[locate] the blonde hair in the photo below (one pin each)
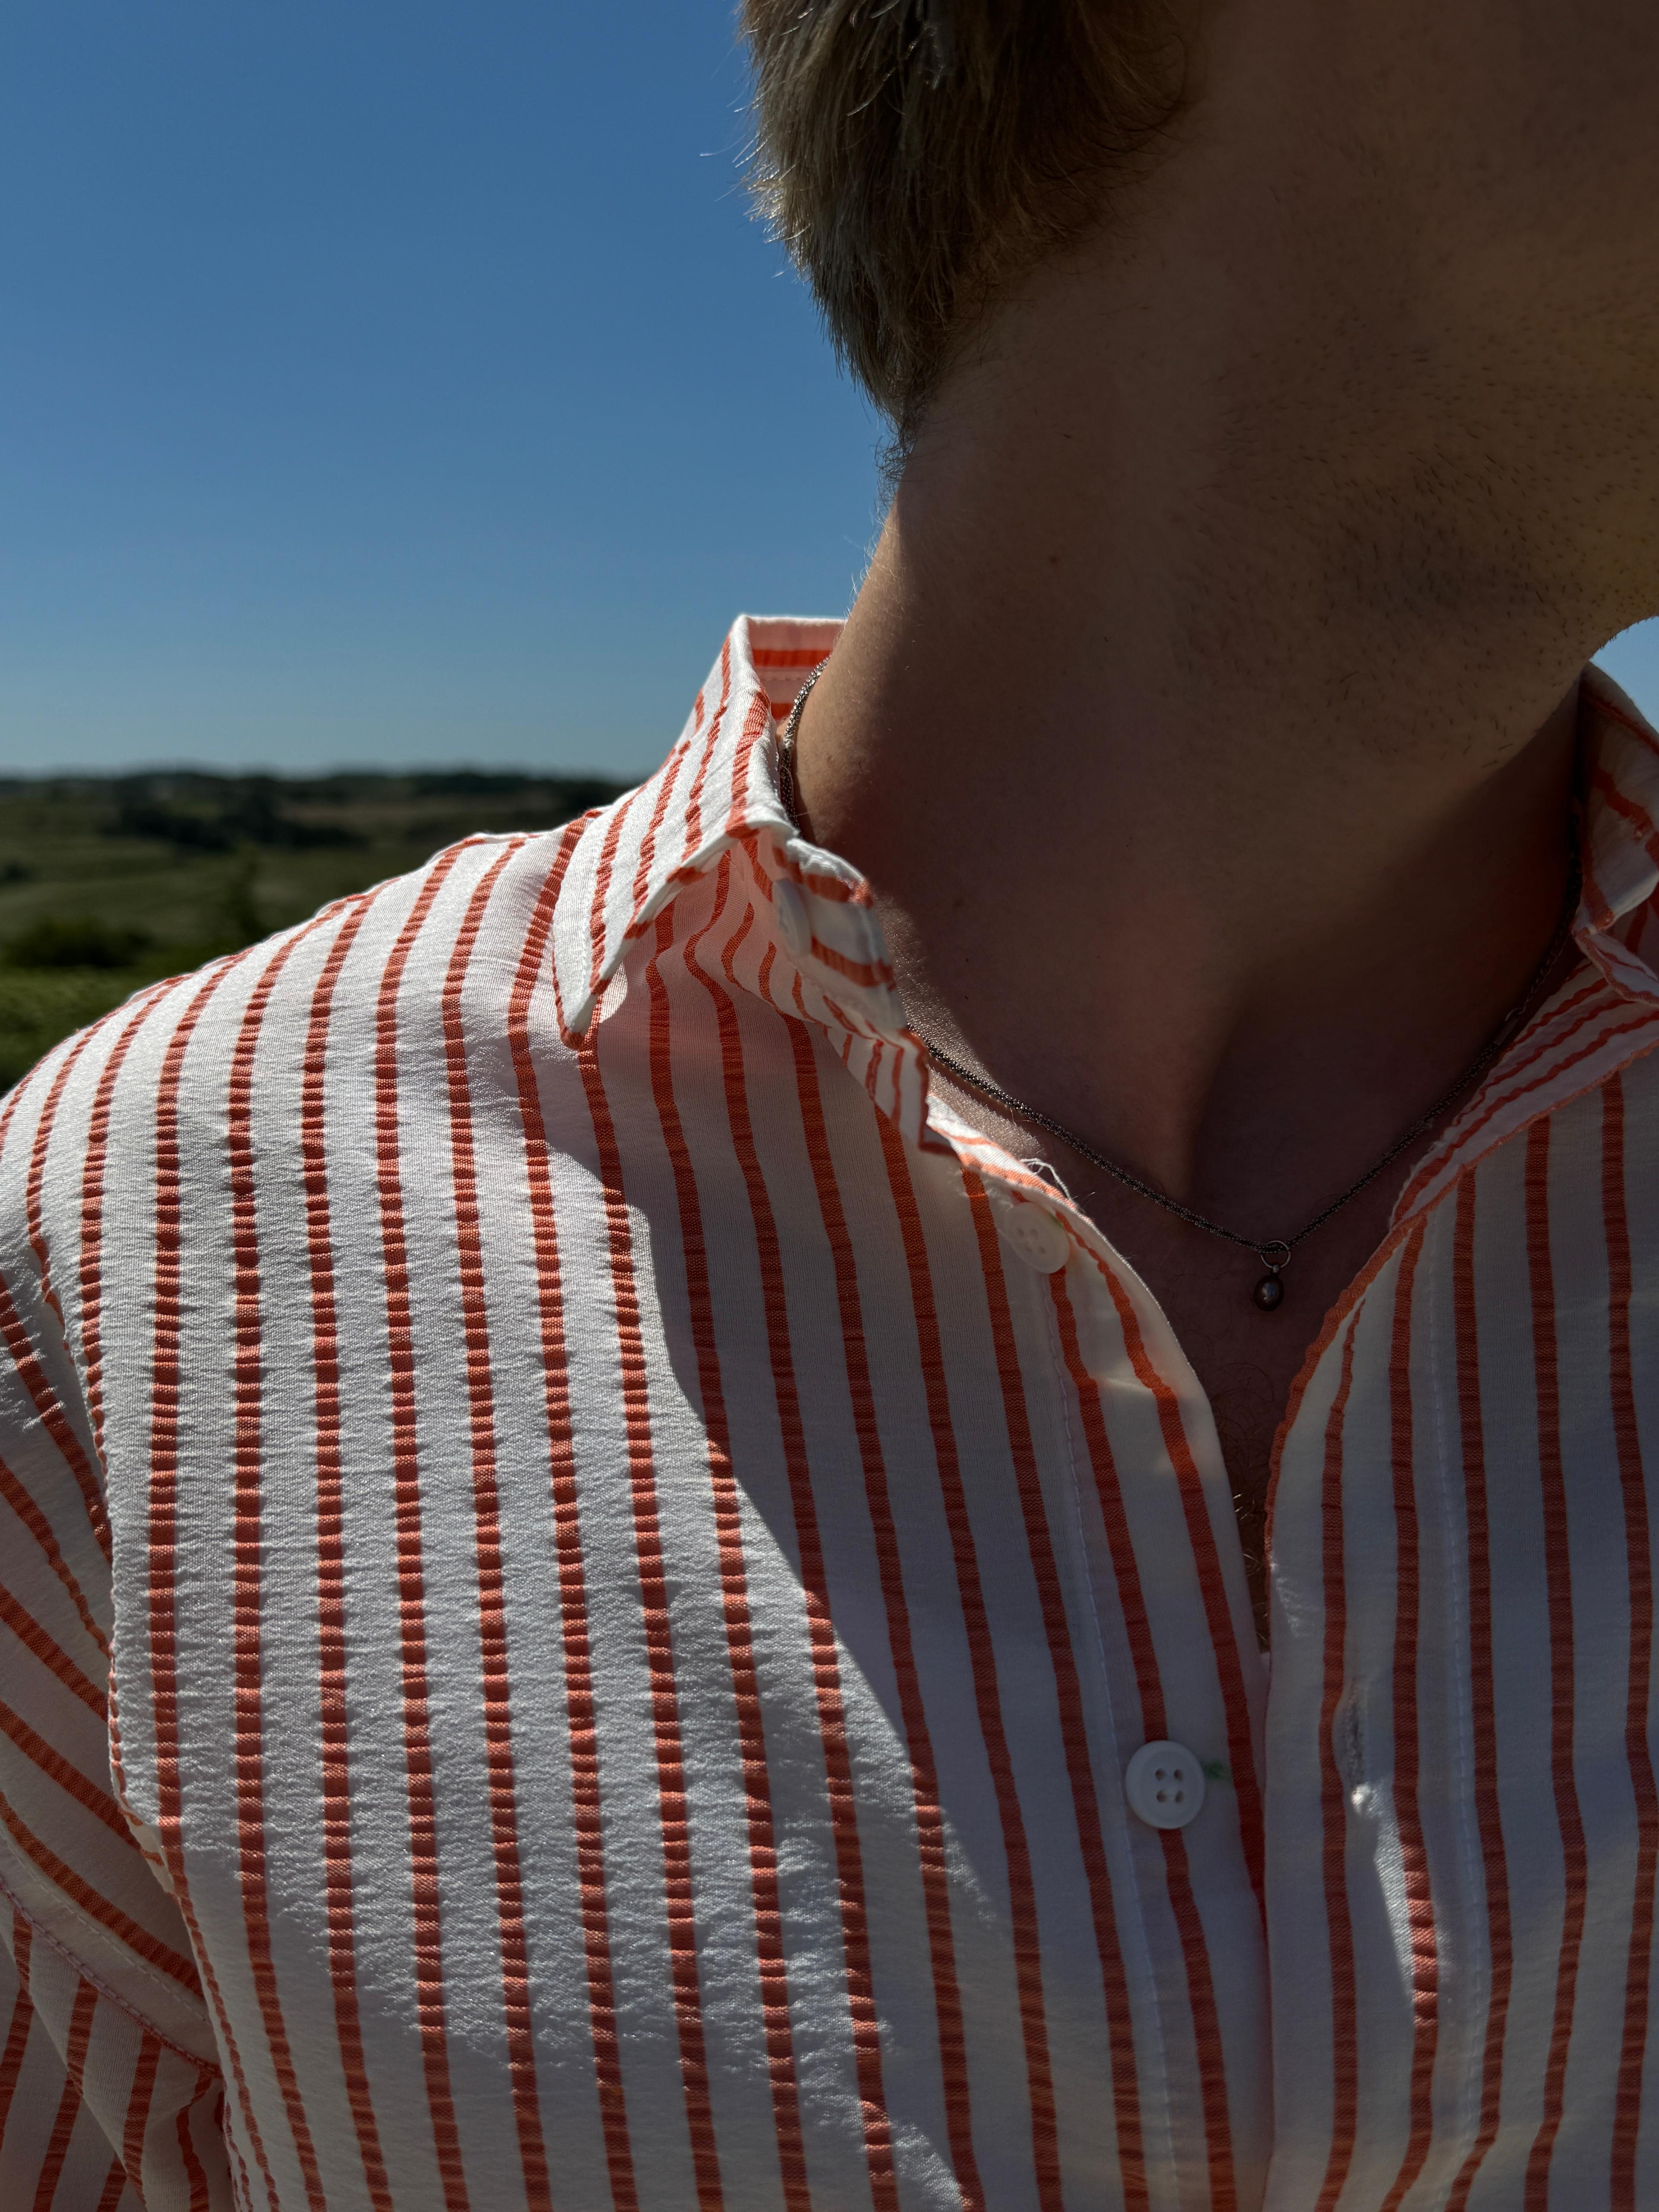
(914, 155)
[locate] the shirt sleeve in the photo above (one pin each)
(111, 2091)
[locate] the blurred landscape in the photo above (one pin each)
(107, 883)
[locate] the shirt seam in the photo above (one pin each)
(105, 1989)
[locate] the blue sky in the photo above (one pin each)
(398, 383)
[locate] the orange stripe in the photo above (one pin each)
(665, 780)
(138, 1939)
(771, 1957)
(599, 921)
(1062, 1659)
(334, 1733)
(192, 2164)
(23, 2014)
(1635, 819)
(1557, 1567)
(493, 1652)
(982, 1650)
(1419, 1897)
(771, 865)
(1483, 1711)
(679, 1895)
(1604, 705)
(756, 724)
(1592, 898)
(1586, 995)
(139, 2099)
(12, 1490)
(33, 1375)
(1155, 1727)
(8, 1107)
(52, 1763)
(815, 1592)
(1217, 1614)
(69, 2104)
(247, 1545)
(51, 1656)
(426, 1893)
(1400, 1229)
(92, 1209)
(924, 1775)
(166, 1375)
(869, 973)
(37, 1174)
(1639, 1553)
(694, 801)
(1334, 1805)
(586, 1804)
(1646, 1021)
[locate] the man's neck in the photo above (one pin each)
(1205, 724)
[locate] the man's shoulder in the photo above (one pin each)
(375, 987)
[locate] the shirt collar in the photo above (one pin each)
(1606, 1013)
(1620, 846)
(814, 942)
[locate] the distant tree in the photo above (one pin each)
(74, 940)
(237, 811)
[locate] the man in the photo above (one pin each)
(656, 1431)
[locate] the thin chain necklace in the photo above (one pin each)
(1275, 1252)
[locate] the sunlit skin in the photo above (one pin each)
(1206, 722)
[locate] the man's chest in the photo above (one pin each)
(688, 1695)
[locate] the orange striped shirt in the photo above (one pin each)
(600, 1606)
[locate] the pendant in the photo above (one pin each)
(1269, 1292)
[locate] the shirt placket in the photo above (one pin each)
(1133, 1546)
(1151, 1580)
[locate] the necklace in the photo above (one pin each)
(1275, 1253)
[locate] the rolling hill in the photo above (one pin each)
(109, 883)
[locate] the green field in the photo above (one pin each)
(107, 883)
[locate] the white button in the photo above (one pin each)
(1034, 1233)
(793, 927)
(1165, 1785)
